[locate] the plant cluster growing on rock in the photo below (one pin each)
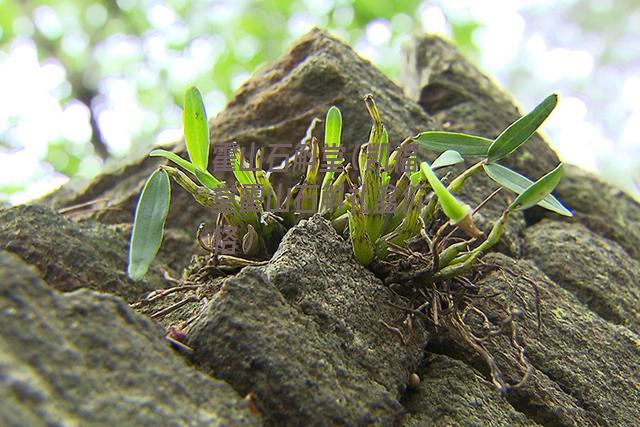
(402, 221)
(385, 207)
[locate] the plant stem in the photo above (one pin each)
(456, 184)
(464, 262)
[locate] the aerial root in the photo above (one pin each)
(447, 305)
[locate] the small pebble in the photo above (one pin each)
(414, 380)
(177, 334)
(251, 404)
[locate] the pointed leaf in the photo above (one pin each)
(148, 225)
(518, 184)
(448, 158)
(184, 164)
(362, 160)
(313, 166)
(208, 180)
(383, 151)
(333, 127)
(537, 191)
(455, 210)
(521, 130)
(467, 145)
(332, 134)
(243, 176)
(196, 130)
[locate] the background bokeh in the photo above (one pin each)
(86, 83)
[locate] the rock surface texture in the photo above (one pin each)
(306, 335)
(312, 337)
(586, 356)
(85, 358)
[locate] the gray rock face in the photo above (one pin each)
(452, 393)
(585, 369)
(605, 210)
(305, 335)
(591, 360)
(600, 273)
(85, 358)
(70, 255)
(585, 358)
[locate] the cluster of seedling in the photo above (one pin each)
(420, 195)
(425, 214)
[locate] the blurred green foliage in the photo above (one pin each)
(157, 49)
(105, 78)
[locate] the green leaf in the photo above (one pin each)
(538, 191)
(521, 130)
(362, 160)
(415, 178)
(184, 164)
(196, 130)
(204, 177)
(333, 127)
(467, 145)
(448, 158)
(148, 225)
(454, 209)
(208, 180)
(244, 177)
(518, 184)
(383, 151)
(332, 133)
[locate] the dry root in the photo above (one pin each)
(453, 308)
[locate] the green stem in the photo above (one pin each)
(455, 185)
(464, 262)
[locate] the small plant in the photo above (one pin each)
(386, 207)
(403, 222)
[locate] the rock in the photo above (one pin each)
(600, 273)
(85, 358)
(278, 104)
(584, 367)
(461, 98)
(305, 335)
(72, 255)
(604, 209)
(583, 364)
(452, 393)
